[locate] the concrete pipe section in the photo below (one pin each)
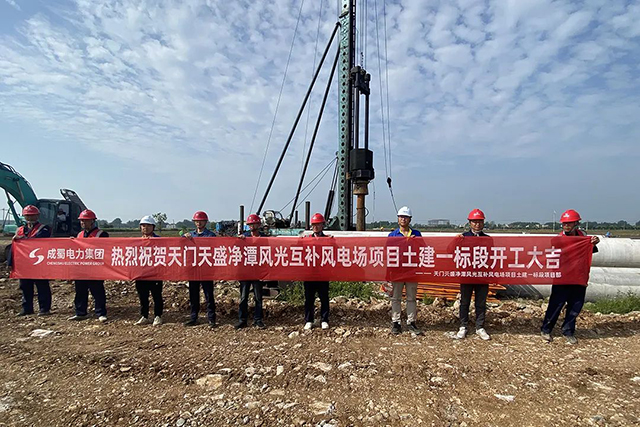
(615, 268)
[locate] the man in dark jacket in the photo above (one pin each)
(570, 295)
(476, 224)
(96, 287)
(33, 230)
(254, 223)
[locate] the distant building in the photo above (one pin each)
(438, 222)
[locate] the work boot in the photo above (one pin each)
(571, 340)
(461, 334)
(308, 326)
(241, 324)
(414, 329)
(142, 321)
(259, 324)
(78, 317)
(483, 334)
(191, 322)
(396, 328)
(546, 336)
(157, 321)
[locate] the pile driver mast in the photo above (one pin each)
(355, 163)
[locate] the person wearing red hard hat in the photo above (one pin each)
(321, 288)
(81, 301)
(476, 220)
(33, 230)
(200, 219)
(254, 223)
(570, 295)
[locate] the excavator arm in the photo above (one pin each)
(16, 186)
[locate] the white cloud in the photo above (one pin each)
(457, 55)
(13, 4)
(200, 79)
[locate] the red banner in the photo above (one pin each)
(503, 260)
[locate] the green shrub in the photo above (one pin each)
(621, 304)
(427, 300)
(293, 294)
(359, 290)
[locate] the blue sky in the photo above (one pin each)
(518, 107)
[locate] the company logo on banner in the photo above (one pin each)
(39, 258)
(508, 260)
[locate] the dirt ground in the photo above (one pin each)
(117, 374)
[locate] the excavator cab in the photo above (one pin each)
(61, 216)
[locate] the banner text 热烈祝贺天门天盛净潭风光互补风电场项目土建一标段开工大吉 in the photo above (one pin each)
(501, 260)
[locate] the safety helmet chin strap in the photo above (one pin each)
(574, 228)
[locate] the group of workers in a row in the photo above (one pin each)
(571, 296)
(35, 229)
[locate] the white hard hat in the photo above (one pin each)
(148, 220)
(404, 211)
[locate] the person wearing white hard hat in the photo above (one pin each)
(404, 230)
(146, 287)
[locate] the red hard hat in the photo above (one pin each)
(253, 219)
(317, 219)
(87, 214)
(476, 214)
(570, 216)
(200, 216)
(30, 210)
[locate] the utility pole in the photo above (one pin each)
(355, 164)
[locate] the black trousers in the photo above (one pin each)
(245, 289)
(571, 295)
(480, 302)
(153, 287)
(310, 290)
(44, 295)
(81, 301)
(194, 299)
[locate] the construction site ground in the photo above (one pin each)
(118, 374)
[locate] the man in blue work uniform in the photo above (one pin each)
(253, 221)
(476, 224)
(200, 220)
(404, 220)
(81, 301)
(571, 295)
(33, 230)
